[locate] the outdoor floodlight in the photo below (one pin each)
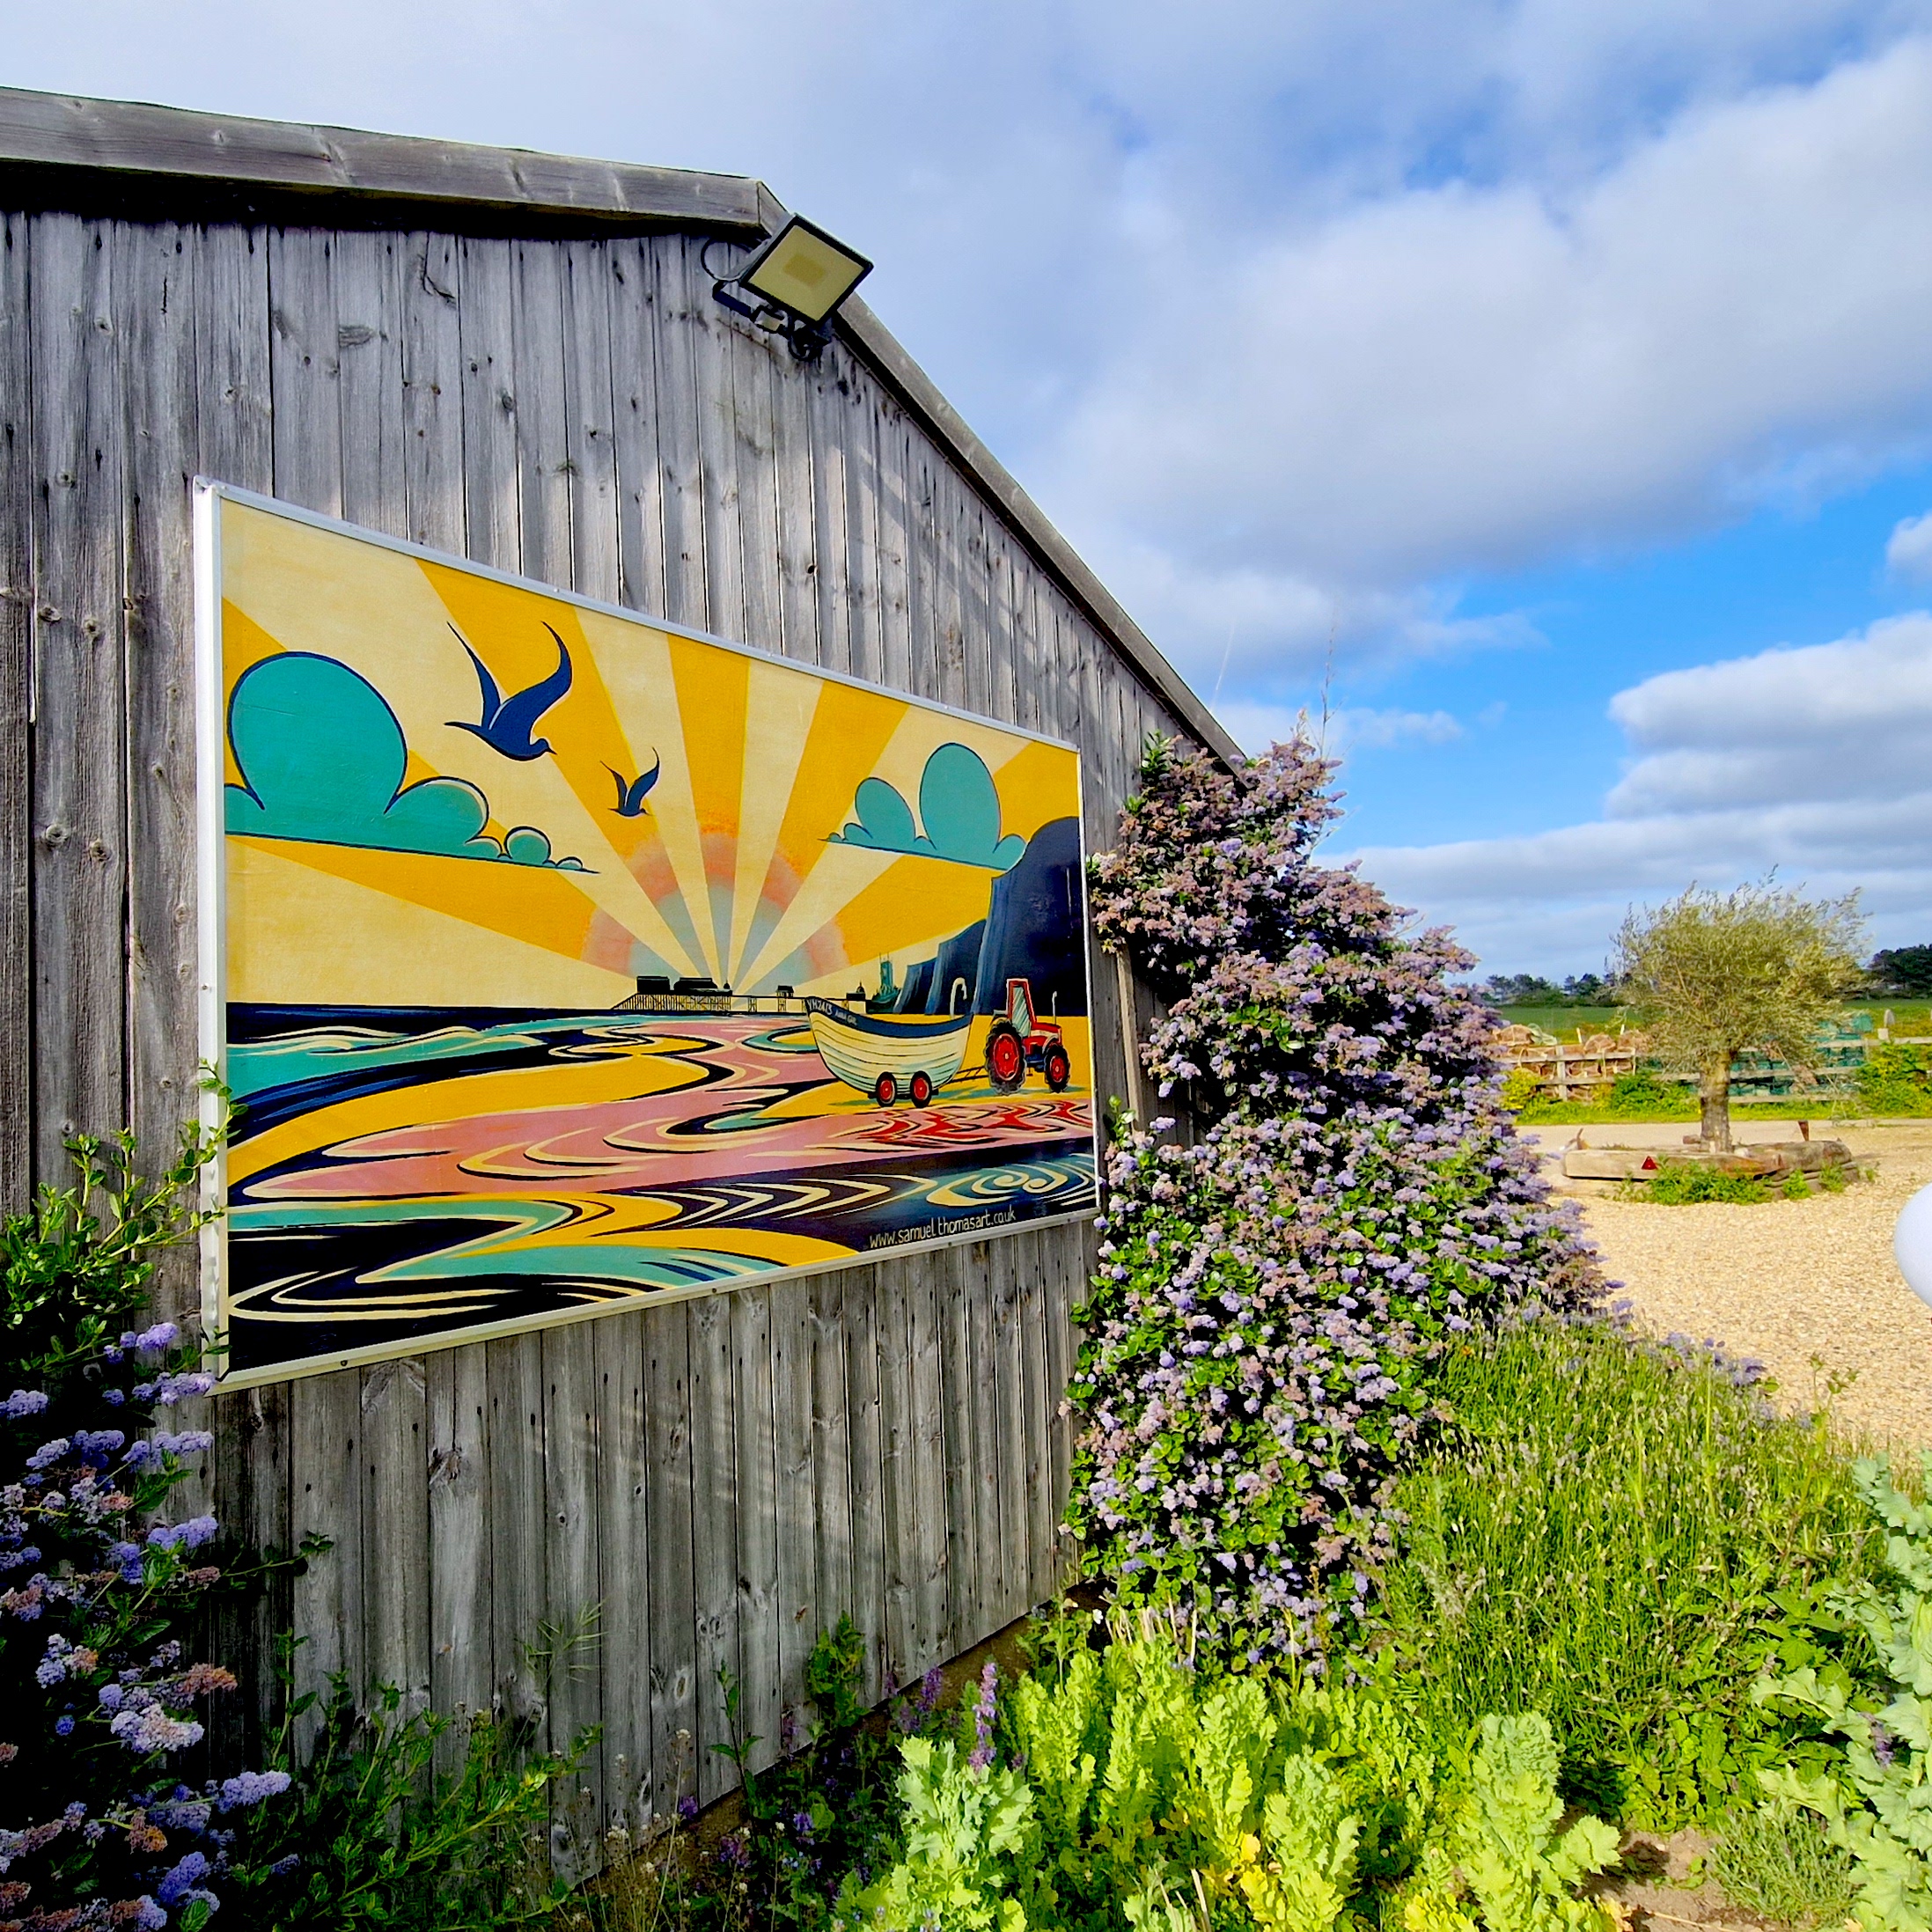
(798, 278)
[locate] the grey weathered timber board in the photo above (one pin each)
(714, 1533)
(670, 1578)
(796, 1499)
(462, 1676)
(826, 1532)
(754, 1426)
(858, 1333)
(17, 622)
(80, 315)
(723, 1478)
(163, 456)
(623, 1661)
(573, 1479)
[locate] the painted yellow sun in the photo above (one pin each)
(686, 816)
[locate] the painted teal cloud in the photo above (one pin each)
(322, 757)
(958, 805)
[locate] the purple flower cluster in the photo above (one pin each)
(1270, 1299)
(101, 1700)
(985, 1710)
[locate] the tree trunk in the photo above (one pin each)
(1714, 1103)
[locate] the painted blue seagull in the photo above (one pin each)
(630, 794)
(507, 723)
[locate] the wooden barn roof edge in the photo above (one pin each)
(108, 137)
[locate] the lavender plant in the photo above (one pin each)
(1271, 1300)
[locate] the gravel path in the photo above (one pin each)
(1792, 1281)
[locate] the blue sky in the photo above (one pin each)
(1557, 370)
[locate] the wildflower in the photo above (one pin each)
(63, 1726)
(189, 1871)
(183, 1536)
(151, 1727)
(688, 1808)
(250, 1787)
(22, 1403)
(980, 1757)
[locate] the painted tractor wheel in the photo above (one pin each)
(1058, 1068)
(1005, 1057)
(920, 1091)
(886, 1092)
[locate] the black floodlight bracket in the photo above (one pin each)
(806, 335)
(806, 340)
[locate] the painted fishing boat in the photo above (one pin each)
(888, 1055)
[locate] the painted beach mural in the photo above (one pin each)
(570, 960)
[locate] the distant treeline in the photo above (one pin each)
(1901, 972)
(1533, 989)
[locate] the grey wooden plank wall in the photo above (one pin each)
(720, 1478)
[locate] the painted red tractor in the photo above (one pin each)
(1020, 1039)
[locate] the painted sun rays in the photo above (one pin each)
(697, 861)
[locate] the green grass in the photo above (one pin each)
(1684, 1184)
(1908, 1017)
(1775, 1861)
(1562, 1020)
(1854, 1106)
(1603, 1536)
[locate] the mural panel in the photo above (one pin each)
(556, 958)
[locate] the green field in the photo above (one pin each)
(1742, 1112)
(1563, 1021)
(1908, 1017)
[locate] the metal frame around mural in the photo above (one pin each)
(211, 869)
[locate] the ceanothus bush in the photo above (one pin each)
(1270, 1300)
(102, 1701)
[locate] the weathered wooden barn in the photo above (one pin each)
(518, 359)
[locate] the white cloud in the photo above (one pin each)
(1909, 551)
(1331, 294)
(1816, 761)
(1254, 727)
(1845, 720)
(1290, 313)
(1457, 375)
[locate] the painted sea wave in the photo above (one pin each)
(416, 1171)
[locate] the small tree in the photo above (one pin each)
(1711, 974)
